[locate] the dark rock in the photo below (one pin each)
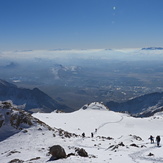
(1, 123)
(81, 152)
(121, 144)
(40, 129)
(19, 118)
(92, 156)
(66, 134)
(13, 152)
(57, 152)
(111, 146)
(134, 145)
(7, 105)
(104, 138)
(36, 158)
(25, 131)
(109, 138)
(16, 161)
(150, 154)
(114, 147)
(71, 154)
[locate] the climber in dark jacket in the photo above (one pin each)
(158, 139)
(83, 135)
(151, 139)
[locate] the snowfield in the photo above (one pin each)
(119, 138)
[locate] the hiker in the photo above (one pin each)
(92, 134)
(83, 134)
(151, 139)
(96, 130)
(158, 140)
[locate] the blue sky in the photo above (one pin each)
(80, 24)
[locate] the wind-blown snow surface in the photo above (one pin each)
(129, 135)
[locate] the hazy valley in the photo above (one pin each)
(75, 78)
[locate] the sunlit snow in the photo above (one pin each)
(119, 137)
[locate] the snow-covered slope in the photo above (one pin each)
(119, 137)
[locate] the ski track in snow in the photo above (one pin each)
(79, 141)
(138, 156)
(109, 123)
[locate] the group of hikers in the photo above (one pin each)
(158, 139)
(92, 133)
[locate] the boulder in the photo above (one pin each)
(81, 152)
(57, 152)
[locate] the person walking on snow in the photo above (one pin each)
(83, 135)
(92, 134)
(158, 139)
(151, 139)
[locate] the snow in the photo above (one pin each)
(116, 132)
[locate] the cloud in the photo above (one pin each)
(69, 54)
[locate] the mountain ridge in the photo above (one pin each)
(145, 105)
(33, 100)
(153, 48)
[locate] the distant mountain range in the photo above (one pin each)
(152, 48)
(35, 100)
(31, 100)
(145, 105)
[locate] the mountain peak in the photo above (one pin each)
(95, 106)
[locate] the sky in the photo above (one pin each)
(80, 24)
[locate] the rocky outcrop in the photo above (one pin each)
(16, 161)
(12, 120)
